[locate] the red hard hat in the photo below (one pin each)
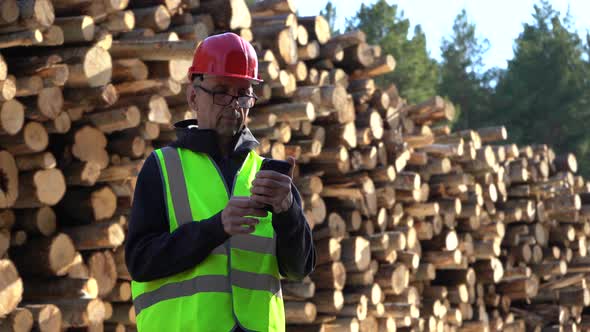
(227, 55)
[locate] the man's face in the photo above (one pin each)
(226, 120)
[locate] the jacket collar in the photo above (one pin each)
(189, 136)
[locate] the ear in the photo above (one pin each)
(191, 97)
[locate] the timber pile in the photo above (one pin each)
(417, 228)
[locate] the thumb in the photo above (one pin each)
(291, 161)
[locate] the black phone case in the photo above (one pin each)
(280, 166)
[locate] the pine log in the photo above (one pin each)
(9, 12)
(41, 221)
(80, 312)
(317, 27)
(33, 14)
(46, 317)
(228, 14)
(356, 254)
(330, 276)
(89, 144)
(102, 267)
(41, 187)
(62, 288)
(45, 256)
(12, 117)
(96, 236)
(122, 21)
(33, 138)
(91, 204)
(300, 312)
(123, 313)
(11, 287)
(19, 320)
(153, 50)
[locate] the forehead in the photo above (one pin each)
(227, 82)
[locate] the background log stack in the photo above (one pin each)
(417, 227)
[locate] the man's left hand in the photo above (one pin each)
(274, 188)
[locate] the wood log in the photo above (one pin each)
(76, 28)
(92, 204)
(153, 50)
(272, 7)
(19, 320)
(10, 12)
(12, 117)
(80, 312)
(96, 236)
(228, 14)
(45, 256)
(37, 14)
(300, 312)
(123, 313)
(11, 287)
(55, 289)
(356, 254)
(46, 317)
(299, 290)
(121, 21)
(41, 221)
(331, 276)
(317, 27)
(41, 187)
(156, 18)
(33, 138)
(89, 144)
(102, 267)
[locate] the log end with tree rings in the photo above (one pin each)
(8, 180)
(44, 13)
(9, 12)
(50, 186)
(61, 254)
(94, 71)
(11, 287)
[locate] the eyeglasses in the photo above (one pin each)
(224, 99)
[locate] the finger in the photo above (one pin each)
(263, 199)
(270, 183)
(272, 175)
(241, 202)
(263, 191)
(291, 161)
(250, 212)
(241, 229)
(239, 221)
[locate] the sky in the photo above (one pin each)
(500, 21)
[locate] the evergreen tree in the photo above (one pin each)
(462, 78)
(329, 13)
(416, 72)
(544, 95)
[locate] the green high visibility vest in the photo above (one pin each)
(238, 284)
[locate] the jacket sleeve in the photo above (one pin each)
(295, 249)
(151, 251)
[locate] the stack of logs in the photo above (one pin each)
(417, 228)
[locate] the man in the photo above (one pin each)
(203, 252)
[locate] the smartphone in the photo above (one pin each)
(276, 165)
(280, 166)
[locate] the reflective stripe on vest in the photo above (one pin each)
(244, 268)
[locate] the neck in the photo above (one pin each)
(225, 145)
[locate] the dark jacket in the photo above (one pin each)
(152, 252)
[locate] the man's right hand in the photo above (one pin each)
(233, 216)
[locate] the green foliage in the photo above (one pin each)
(329, 13)
(416, 72)
(544, 95)
(462, 79)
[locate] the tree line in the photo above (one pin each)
(542, 96)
